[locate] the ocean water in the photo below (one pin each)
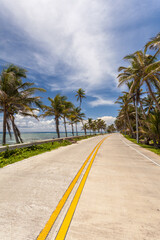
(33, 136)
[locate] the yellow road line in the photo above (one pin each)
(67, 220)
(44, 233)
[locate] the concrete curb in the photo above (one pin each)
(38, 142)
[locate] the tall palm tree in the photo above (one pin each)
(94, 126)
(124, 102)
(85, 127)
(143, 69)
(80, 95)
(66, 110)
(56, 110)
(77, 116)
(90, 124)
(16, 97)
(71, 118)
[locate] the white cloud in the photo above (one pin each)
(101, 101)
(108, 119)
(74, 39)
(70, 36)
(30, 124)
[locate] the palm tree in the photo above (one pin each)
(66, 110)
(16, 97)
(143, 69)
(151, 127)
(90, 124)
(71, 118)
(124, 102)
(154, 43)
(148, 104)
(56, 110)
(94, 126)
(85, 127)
(78, 116)
(111, 128)
(80, 95)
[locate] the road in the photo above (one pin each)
(120, 199)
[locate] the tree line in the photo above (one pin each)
(18, 97)
(139, 114)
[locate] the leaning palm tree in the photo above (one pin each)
(16, 97)
(80, 95)
(55, 110)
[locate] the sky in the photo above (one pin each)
(66, 45)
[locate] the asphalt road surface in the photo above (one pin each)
(120, 198)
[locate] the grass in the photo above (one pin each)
(12, 156)
(149, 147)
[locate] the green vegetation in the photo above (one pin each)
(11, 156)
(139, 114)
(111, 128)
(16, 97)
(95, 125)
(149, 147)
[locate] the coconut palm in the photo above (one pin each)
(16, 97)
(56, 110)
(124, 102)
(78, 116)
(90, 124)
(111, 128)
(153, 131)
(148, 104)
(85, 127)
(143, 69)
(80, 95)
(66, 110)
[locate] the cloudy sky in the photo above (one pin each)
(68, 44)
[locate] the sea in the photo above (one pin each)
(33, 136)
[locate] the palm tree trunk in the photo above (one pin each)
(124, 126)
(57, 127)
(152, 95)
(72, 129)
(137, 132)
(14, 130)
(76, 129)
(18, 134)
(129, 123)
(80, 102)
(84, 128)
(65, 126)
(4, 125)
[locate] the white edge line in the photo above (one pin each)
(141, 153)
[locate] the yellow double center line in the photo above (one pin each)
(66, 222)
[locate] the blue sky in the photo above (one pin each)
(68, 44)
